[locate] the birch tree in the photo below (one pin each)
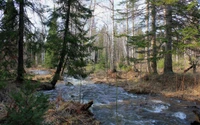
(148, 39)
(127, 26)
(112, 63)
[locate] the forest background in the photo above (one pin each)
(79, 37)
(147, 46)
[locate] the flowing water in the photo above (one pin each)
(39, 72)
(114, 106)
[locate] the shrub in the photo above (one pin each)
(124, 67)
(160, 64)
(3, 76)
(28, 108)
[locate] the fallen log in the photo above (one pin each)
(72, 113)
(197, 114)
(188, 68)
(86, 106)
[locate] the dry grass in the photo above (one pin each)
(41, 78)
(69, 113)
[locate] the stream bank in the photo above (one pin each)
(182, 86)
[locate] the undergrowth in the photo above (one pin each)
(28, 107)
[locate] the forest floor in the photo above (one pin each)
(184, 85)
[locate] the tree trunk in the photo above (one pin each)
(168, 54)
(63, 68)
(127, 47)
(113, 67)
(148, 40)
(64, 47)
(92, 19)
(133, 49)
(154, 60)
(194, 68)
(20, 68)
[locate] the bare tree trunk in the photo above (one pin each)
(148, 40)
(168, 54)
(92, 18)
(133, 49)
(113, 67)
(63, 52)
(154, 61)
(20, 68)
(127, 47)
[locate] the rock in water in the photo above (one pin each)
(86, 106)
(68, 84)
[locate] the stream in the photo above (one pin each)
(114, 106)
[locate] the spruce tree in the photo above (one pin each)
(15, 28)
(20, 67)
(153, 36)
(73, 52)
(53, 43)
(25, 28)
(8, 34)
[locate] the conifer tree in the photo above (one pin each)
(64, 43)
(20, 67)
(25, 28)
(16, 28)
(53, 43)
(74, 16)
(168, 48)
(153, 36)
(8, 34)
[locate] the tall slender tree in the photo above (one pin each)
(53, 43)
(153, 34)
(148, 37)
(8, 34)
(64, 45)
(168, 47)
(20, 67)
(127, 32)
(74, 15)
(25, 29)
(112, 62)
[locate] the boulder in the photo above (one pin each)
(68, 84)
